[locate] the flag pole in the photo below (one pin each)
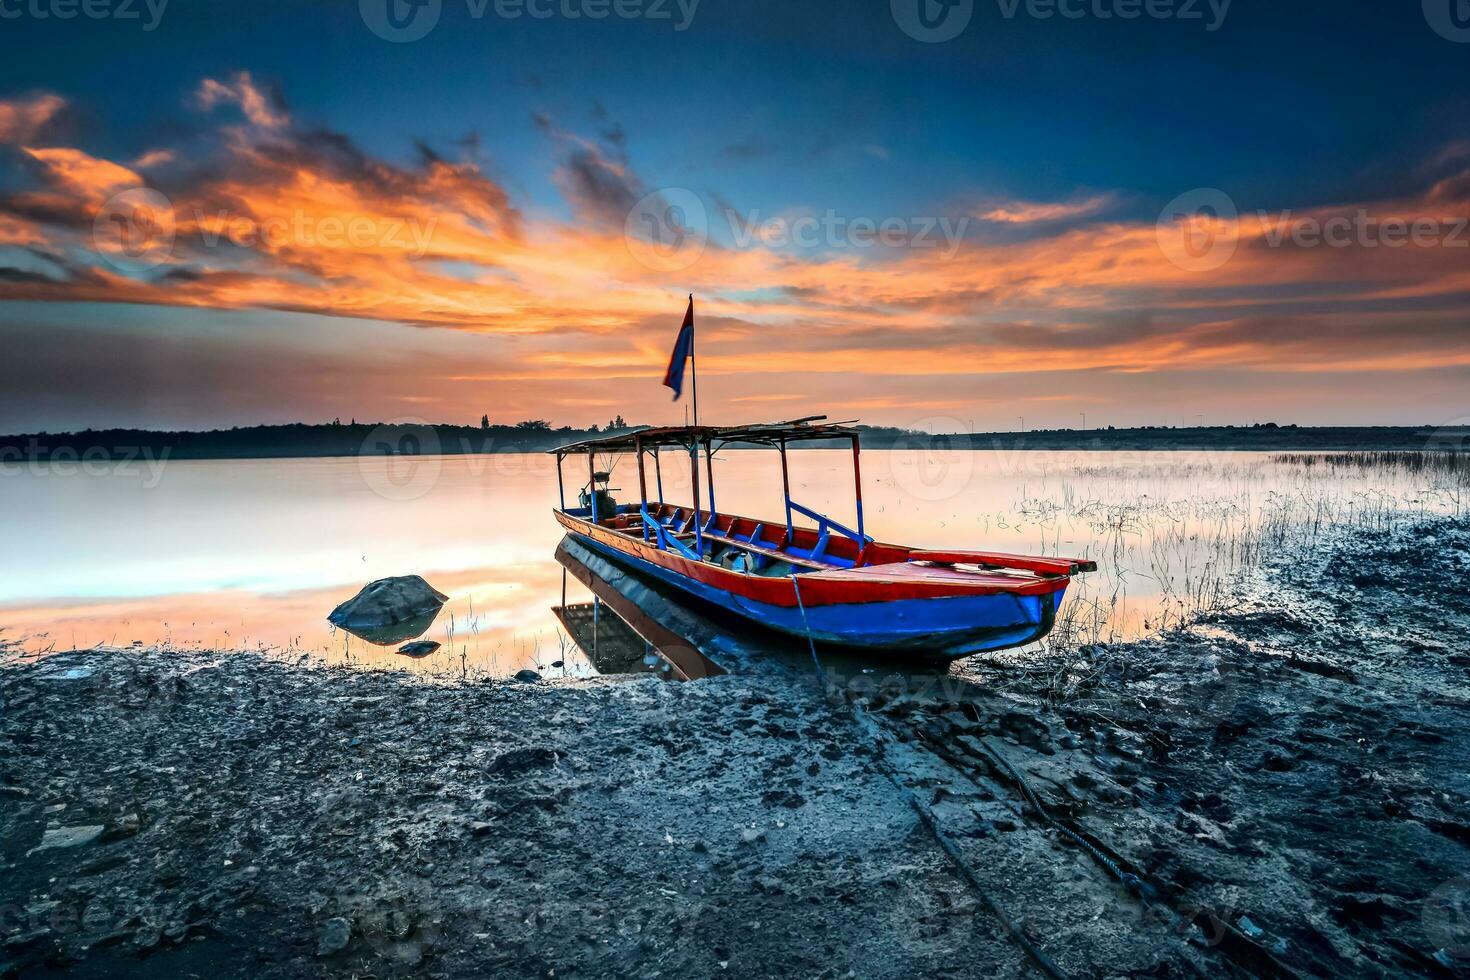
(694, 458)
(694, 440)
(693, 364)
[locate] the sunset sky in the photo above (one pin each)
(220, 214)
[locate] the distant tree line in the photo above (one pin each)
(334, 438)
(354, 438)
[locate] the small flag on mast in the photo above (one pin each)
(683, 351)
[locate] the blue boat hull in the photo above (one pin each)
(939, 629)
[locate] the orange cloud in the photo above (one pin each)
(153, 158)
(1026, 212)
(93, 179)
(22, 119)
(259, 107)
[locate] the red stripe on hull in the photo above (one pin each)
(870, 583)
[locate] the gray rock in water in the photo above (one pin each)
(388, 602)
(334, 937)
(527, 676)
(419, 648)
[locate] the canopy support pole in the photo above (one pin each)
(694, 478)
(786, 493)
(857, 483)
(642, 484)
(561, 492)
(592, 482)
(658, 472)
(709, 470)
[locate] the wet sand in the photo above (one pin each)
(1278, 790)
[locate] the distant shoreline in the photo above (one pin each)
(363, 439)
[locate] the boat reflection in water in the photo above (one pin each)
(628, 628)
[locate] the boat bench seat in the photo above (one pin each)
(765, 552)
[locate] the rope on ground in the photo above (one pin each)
(1137, 885)
(926, 815)
(1231, 942)
(1237, 947)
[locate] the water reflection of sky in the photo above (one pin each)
(255, 553)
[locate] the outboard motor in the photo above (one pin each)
(607, 506)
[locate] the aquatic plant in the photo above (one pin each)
(1168, 558)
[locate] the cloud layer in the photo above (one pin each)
(261, 212)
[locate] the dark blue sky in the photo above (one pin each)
(774, 104)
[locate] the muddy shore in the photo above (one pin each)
(1279, 789)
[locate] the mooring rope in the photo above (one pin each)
(1136, 884)
(926, 815)
(1238, 948)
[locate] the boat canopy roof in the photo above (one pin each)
(760, 434)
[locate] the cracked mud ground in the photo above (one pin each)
(1278, 791)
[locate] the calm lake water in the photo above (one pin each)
(256, 553)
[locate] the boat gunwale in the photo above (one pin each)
(829, 586)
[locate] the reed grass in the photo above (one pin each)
(1435, 461)
(1191, 554)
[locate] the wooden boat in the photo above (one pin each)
(829, 583)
